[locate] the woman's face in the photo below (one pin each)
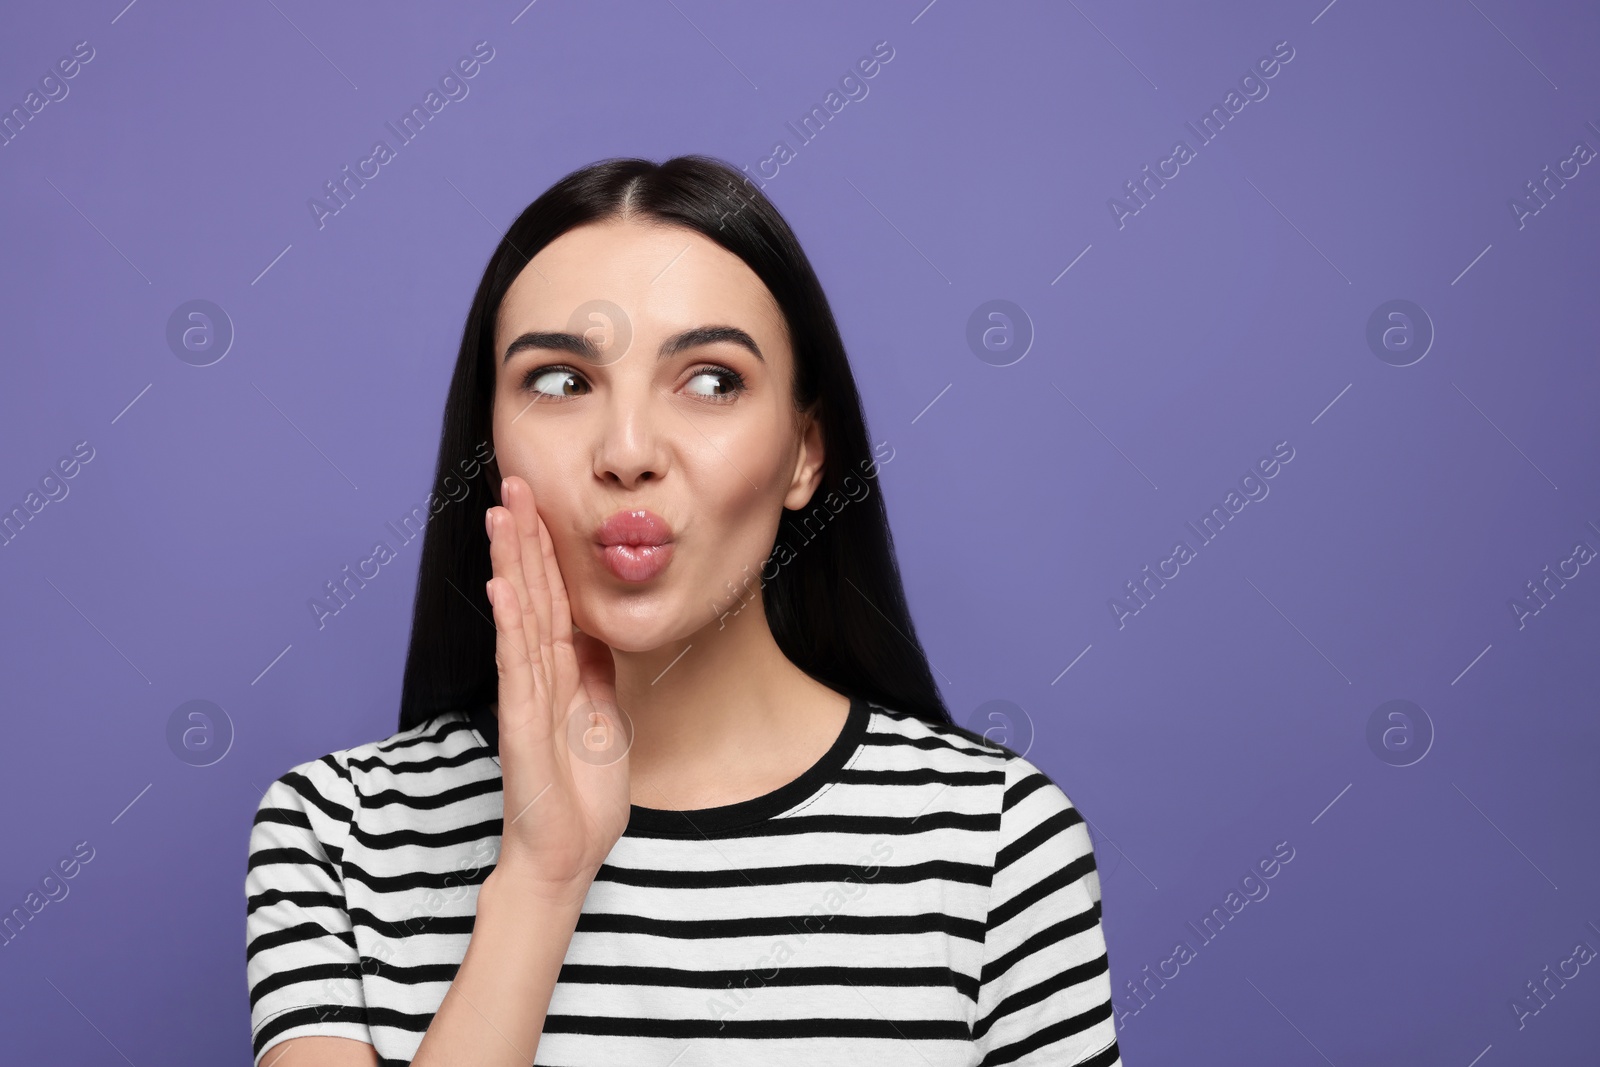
(631, 385)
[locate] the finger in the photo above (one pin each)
(533, 563)
(560, 630)
(517, 683)
(503, 559)
(505, 537)
(506, 559)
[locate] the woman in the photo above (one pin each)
(699, 802)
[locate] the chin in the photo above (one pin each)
(633, 624)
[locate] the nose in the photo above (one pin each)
(631, 446)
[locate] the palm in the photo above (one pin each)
(563, 750)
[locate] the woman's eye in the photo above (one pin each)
(712, 383)
(719, 383)
(553, 381)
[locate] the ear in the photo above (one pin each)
(808, 464)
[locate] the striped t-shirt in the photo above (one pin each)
(918, 897)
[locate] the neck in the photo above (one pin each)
(723, 703)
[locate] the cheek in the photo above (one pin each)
(549, 468)
(737, 492)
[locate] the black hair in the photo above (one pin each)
(836, 607)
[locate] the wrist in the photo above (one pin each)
(521, 888)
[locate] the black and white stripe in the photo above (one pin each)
(918, 897)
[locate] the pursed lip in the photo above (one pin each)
(634, 526)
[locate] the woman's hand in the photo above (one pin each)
(563, 741)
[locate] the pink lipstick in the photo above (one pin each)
(635, 545)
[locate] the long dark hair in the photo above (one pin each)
(836, 605)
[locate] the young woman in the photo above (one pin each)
(672, 783)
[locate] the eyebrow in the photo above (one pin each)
(580, 345)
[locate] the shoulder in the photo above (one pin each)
(324, 795)
(953, 747)
(1030, 807)
(942, 743)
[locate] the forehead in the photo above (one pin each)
(663, 277)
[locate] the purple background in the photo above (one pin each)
(1228, 315)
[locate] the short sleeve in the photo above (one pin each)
(301, 961)
(1045, 993)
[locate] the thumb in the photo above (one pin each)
(595, 665)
